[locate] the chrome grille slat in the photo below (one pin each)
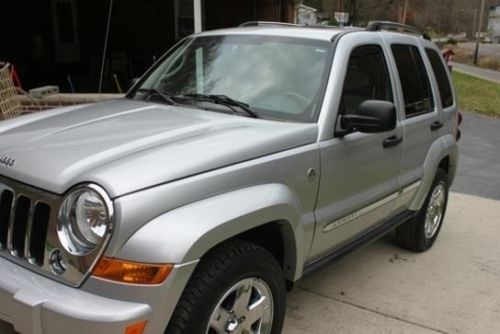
(10, 227)
(19, 225)
(25, 215)
(27, 235)
(38, 234)
(6, 203)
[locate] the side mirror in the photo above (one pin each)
(372, 116)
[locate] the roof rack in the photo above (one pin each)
(267, 23)
(393, 26)
(283, 24)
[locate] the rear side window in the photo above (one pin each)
(367, 78)
(440, 72)
(417, 91)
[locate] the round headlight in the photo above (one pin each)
(84, 219)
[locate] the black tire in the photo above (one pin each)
(411, 235)
(216, 273)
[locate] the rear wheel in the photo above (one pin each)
(236, 288)
(420, 233)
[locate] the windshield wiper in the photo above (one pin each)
(154, 91)
(222, 100)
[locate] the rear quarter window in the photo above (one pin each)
(440, 72)
(417, 92)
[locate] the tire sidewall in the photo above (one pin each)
(256, 264)
(261, 270)
(423, 241)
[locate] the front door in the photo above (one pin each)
(359, 173)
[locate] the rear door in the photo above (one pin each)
(421, 115)
(359, 176)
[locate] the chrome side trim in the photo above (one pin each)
(352, 216)
(411, 187)
(358, 241)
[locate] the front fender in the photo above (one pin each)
(188, 232)
(445, 146)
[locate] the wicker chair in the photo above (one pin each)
(10, 106)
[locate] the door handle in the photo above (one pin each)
(436, 125)
(392, 141)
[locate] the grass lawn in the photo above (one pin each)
(477, 95)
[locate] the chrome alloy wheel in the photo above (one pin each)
(246, 308)
(435, 211)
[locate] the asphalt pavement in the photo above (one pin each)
(478, 72)
(485, 49)
(479, 162)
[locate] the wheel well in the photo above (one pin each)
(269, 237)
(276, 238)
(444, 164)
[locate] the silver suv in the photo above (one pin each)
(243, 160)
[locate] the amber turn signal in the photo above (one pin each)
(137, 328)
(131, 272)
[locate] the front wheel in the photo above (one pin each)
(420, 233)
(236, 288)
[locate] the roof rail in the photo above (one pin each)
(267, 23)
(393, 26)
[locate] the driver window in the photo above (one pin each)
(367, 78)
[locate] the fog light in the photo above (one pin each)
(57, 262)
(137, 328)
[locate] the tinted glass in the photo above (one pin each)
(441, 74)
(417, 91)
(278, 77)
(366, 78)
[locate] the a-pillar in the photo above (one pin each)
(198, 23)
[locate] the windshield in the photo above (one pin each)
(277, 77)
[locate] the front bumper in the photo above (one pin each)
(37, 305)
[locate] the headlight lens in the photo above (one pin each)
(84, 219)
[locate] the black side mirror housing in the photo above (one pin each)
(373, 116)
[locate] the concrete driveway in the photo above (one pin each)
(453, 288)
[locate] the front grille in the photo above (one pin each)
(24, 221)
(29, 236)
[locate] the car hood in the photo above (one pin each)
(127, 145)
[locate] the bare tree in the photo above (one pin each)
(441, 16)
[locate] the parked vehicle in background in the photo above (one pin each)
(244, 159)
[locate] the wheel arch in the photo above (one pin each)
(277, 237)
(268, 215)
(442, 154)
